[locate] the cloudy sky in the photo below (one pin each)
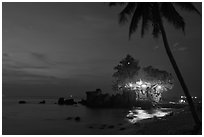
(56, 49)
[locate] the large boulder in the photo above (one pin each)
(61, 101)
(69, 102)
(77, 118)
(42, 102)
(83, 102)
(22, 102)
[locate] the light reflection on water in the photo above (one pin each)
(139, 114)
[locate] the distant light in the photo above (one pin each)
(128, 62)
(143, 86)
(139, 82)
(172, 102)
(195, 97)
(182, 101)
(159, 87)
(130, 84)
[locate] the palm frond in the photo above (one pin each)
(155, 18)
(145, 19)
(144, 25)
(187, 6)
(169, 12)
(156, 31)
(135, 19)
(127, 11)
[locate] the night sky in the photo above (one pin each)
(58, 49)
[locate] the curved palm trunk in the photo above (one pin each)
(180, 78)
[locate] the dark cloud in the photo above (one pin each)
(5, 55)
(11, 63)
(40, 57)
(22, 77)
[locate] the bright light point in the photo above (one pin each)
(172, 102)
(139, 82)
(159, 87)
(195, 97)
(128, 62)
(182, 101)
(144, 86)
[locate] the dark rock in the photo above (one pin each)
(104, 125)
(68, 118)
(122, 128)
(22, 102)
(137, 124)
(42, 102)
(61, 101)
(90, 126)
(83, 102)
(69, 102)
(111, 126)
(77, 118)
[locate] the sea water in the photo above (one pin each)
(49, 118)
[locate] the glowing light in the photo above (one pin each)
(137, 115)
(172, 102)
(183, 96)
(182, 101)
(144, 86)
(159, 87)
(155, 88)
(139, 82)
(130, 84)
(195, 97)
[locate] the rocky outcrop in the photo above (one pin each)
(42, 102)
(62, 101)
(22, 102)
(69, 102)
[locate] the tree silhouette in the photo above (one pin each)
(126, 70)
(152, 73)
(154, 12)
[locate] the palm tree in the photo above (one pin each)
(154, 12)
